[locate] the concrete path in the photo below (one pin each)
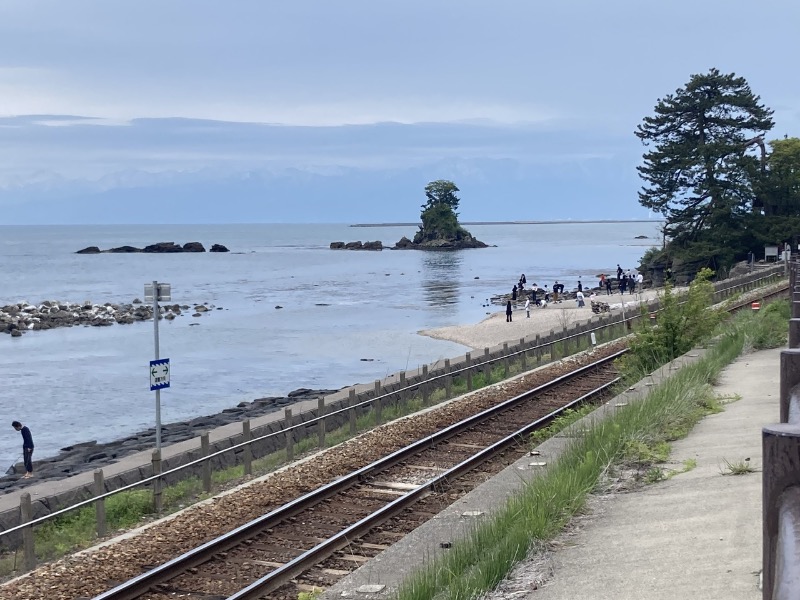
(697, 535)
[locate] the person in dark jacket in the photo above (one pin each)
(508, 312)
(27, 448)
(514, 293)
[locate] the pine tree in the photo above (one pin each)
(704, 158)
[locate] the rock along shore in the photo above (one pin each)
(15, 319)
(91, 455)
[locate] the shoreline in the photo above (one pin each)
(493, 330)
(576, 222)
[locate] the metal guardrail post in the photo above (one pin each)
(287, 415)
(100, 505)
(26, 515)
(205, 450)
(321, 422)
(468, 372)
(790, 377)
(794, 333)
(378, 403)
(781, 479)
(247, 451)
(351, 414)
(538, 351)
(448, 380)
(426, 396)
(157, 484)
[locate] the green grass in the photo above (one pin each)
(640, 431)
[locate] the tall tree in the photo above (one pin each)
(705, 141)
(441, 192)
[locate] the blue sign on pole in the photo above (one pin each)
(159, 374)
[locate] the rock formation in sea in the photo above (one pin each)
(157, 248)
(376, 245)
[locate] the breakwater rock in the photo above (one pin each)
(159, 248)
(376, 245)
(92, 455)
(463, 242)
(15, 319)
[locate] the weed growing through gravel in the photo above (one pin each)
(739, 467)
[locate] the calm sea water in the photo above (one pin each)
(82, 383)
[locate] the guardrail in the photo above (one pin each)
(781, 471)
(294, 428)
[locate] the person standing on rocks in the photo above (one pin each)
(528, 308)
(508, 312)
(514, 293)
(27, 448)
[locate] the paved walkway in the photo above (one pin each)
(697, 535)
(694, 536)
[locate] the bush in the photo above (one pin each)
(682, 323)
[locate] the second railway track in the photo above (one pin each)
(299, 545)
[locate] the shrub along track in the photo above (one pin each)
(91, 573)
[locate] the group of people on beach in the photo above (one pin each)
(542, 297)
(625, 281)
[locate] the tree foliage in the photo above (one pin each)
(780, 186)
(703, 156)
(441, 192)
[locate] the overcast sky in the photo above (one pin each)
(352, 106)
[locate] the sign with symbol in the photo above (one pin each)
(159, 374)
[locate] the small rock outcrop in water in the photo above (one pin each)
(462, 242)
(15, 319)
(158, 248)
(376, 245)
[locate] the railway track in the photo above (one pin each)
(299, 545)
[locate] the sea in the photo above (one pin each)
(294, 313)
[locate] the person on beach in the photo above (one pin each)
(622, 284)
(522, 279)
(640, 281)
(608, 286)
(514, 293)
(619, 271)
(580, 285)
(555, 291)
(508, 312)
(580, 299)
(528, 308)
(27, 448)
(632, 283)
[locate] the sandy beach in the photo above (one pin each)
(494, 330)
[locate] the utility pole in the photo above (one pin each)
(159, 368)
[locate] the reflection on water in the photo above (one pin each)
(441, 278)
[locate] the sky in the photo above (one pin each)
(253, 111)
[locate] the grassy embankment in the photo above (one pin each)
(635, 436)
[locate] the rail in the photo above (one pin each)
(781, 469)
(133, 588)
(555, 345)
